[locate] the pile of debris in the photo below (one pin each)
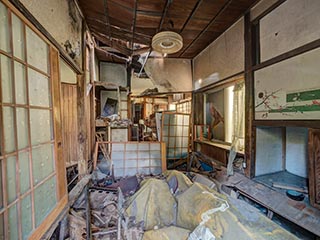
(173, 205)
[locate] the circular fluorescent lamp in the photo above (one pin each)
(167, 42)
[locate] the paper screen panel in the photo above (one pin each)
(18, 37)
(20, 83)
(24, 172)
(8, 129)
(44, 199)
(37, 51)
(13, 223)
(42, 162)
(26, 219)
(4, 29)
(22, 128)
(6, 79)
(41, 126)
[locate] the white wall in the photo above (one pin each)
(297, 151)
(170, 73)
(113, 73)
(268, 150)
(67, 75)
(222, 58)
(293, 24)
(61, 19)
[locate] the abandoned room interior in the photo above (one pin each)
(159, 119)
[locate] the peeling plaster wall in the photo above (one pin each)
(222, 58)
(138, 85)
(297, 151)
(291, 25)
(113, 73)
(172, 74)
(268, 150)
(61, 19)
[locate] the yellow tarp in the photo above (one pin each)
(168, 233)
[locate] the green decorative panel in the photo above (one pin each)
(45, 199)
(24, 169)
(42, 162)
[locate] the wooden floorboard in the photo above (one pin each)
(298, 212)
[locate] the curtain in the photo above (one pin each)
(238, 128)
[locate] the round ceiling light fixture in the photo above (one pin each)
(167, 42)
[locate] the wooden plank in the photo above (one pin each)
(288, 123)
(163, 157)
(44, 226)
(289, 187)
(314, 167)
(295, 52)
(249, 93)
(284, 147)
(69, 121)
(297, 212)
(82, 127)
(216, 152)
(56, 99)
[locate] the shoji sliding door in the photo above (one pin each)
(32, 189)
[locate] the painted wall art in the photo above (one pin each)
(289, 90)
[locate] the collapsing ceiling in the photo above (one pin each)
(127, 26)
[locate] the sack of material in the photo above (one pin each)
(167, 233)
(153, 204)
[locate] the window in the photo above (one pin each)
(28, 174)
(224, 113)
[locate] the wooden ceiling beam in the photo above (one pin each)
(134, 24)
(225, 6)
(164, 14)
(196, 7)
(106, 13)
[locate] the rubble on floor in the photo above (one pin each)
(168, 206)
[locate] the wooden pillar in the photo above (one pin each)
(249, 93)
(82, 126)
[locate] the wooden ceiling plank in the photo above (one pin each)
(164, 13)
(196, 7)
(225, 6)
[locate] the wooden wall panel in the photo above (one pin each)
(216, 153)
(70, 123)
(314, 167)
